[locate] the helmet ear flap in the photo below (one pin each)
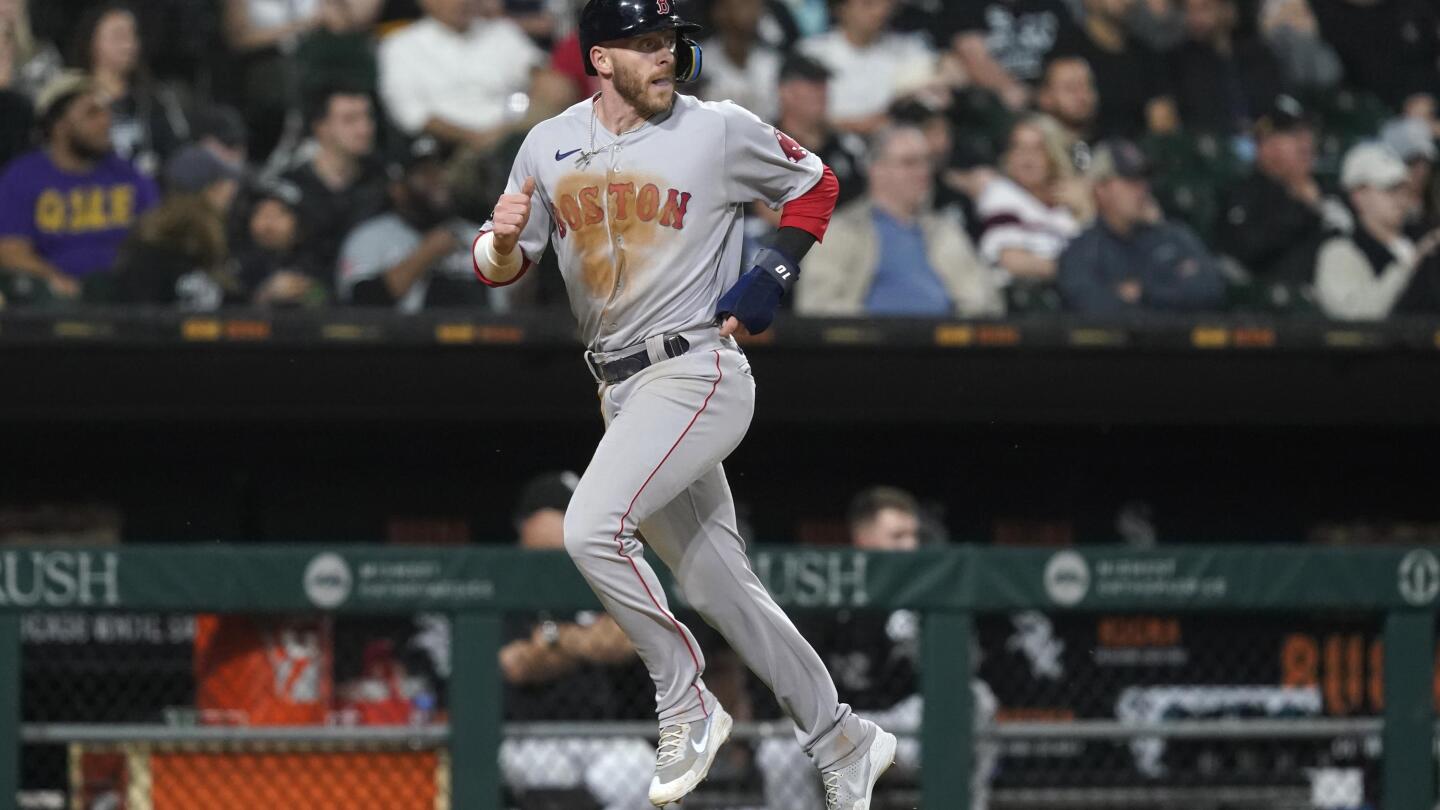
(688, 60)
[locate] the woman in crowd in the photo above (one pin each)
(1028, 214)
(148, 122)
(26, 64)
(178, 253)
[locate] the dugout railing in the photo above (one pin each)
(952, 589)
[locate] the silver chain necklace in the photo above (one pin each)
(586, 155)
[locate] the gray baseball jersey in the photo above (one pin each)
(648, 226)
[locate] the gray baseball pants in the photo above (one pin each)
(658, 470)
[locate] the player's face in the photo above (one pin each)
(889, 530)
(644, 71)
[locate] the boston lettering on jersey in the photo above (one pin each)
(627, 201)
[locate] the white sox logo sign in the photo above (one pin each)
(663, 6)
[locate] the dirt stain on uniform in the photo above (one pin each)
(620, 253)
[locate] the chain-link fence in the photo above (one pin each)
(1184, 711)
(138, 711)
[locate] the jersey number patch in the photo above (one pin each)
(792, 150)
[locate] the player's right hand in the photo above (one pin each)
(512, 212)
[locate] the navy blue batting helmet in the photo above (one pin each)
(604, 20)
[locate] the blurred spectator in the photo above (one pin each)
(65, 209)
(342, 184)
(875, 659)
(1131, 259)
(272, 266)
(26, 63)
(803, 97)
(738, 66)
(221, 130)
(268, 35)
(147, 123)
(1159, 24)
(1025, 226)
(416, 256)
(1222, 82)
(935, 123)
(1360, 276)
(1003, 44)
(1307, 62)
(1134, 95)
(1272, 223)
(16, 123)
(567, 62)
(562, 669)
(177, 253)
(1410, 140)
(1389, 47)
(888, 255)
(870, 65)
(456, 74)
(1068, 96)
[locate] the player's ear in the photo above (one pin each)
(600, 57)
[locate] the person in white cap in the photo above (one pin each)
(1359, 276)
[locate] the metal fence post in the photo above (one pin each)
(475, 711)
(9, 708)
(1409, 767)
(947, 731)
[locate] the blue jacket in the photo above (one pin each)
(1175, 271)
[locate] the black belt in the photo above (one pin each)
(623, 368)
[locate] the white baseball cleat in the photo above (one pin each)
(685, 754)
(849, 788)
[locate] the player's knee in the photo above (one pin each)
(584, 529)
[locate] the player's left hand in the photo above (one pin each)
(732, 326)
(752, 302)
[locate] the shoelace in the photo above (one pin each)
(672, 745)
(832, 790)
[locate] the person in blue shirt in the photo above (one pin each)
(1131, 259)
(887, 254)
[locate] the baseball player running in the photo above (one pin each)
(641, 190)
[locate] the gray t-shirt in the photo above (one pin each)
(647, 226)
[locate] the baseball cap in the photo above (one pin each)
(1371, 164)
(1409, 139)
(1283, 114)
(547, 491)
(223, 124)
(412, 153)
(194, 167)
(281, 191)
(800, 66)
(1117, 157)
(60, 91)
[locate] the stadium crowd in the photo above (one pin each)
(996, 157)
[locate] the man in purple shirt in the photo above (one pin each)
(65, 208)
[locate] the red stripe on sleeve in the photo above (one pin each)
(524, 268)
(811, 211)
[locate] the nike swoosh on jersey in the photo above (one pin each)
(559, 157)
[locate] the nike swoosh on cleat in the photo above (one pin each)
(704, 741)
(559, 157)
